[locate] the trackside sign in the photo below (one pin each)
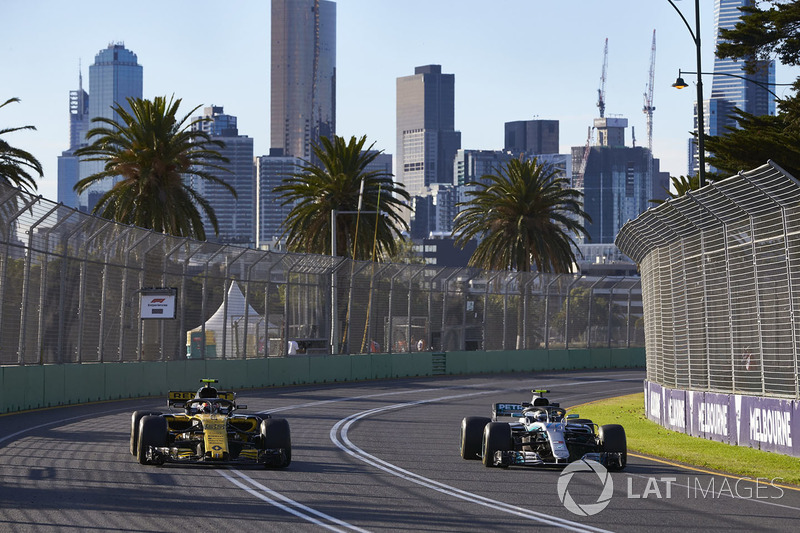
(157, 302)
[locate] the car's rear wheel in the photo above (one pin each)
(152, 432)
(471, 435)
(496, 438)
(613, 440)
(135, 418)
(275, 435)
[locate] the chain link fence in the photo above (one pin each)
(721, 284)
(72, 290)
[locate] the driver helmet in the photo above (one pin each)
(541, 416)
(205, 407)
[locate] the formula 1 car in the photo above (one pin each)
(540, 433)
(207, 431)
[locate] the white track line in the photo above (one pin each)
(347, 446)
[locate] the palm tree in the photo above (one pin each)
(335, 183)
(155, 154)
(524, 217)
(682, 185)
(15, 164)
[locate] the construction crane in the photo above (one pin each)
(649, 107)
(601, 92)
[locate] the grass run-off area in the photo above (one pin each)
(648, 438)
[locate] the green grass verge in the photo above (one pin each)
(648, 438)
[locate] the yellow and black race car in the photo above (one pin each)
(208, 432)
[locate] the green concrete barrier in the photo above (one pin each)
(40, 386)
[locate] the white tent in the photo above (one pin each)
(233, 329)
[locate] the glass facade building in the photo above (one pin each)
(270, 214)
(114, 77)
(235, 216)
(303, 75)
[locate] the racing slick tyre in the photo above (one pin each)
(152, 432)
(496, 438)
(471, 435)
(275, 435)
(613, 439)
(135, 418)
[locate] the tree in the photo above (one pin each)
(524, 216)
(335, 184)
(156, 154)
(759, 138)
(16, 164)
(771, 28)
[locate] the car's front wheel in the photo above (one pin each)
(471, 434)
(135, 418)
(275, 435)
(496, 438)
(152, 432)
(613, 440)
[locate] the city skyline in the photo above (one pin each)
(514, 61)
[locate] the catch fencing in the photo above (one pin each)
(720, 274)
(76, 288)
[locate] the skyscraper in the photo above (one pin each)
(114, 77)
(303, 84)
(68, 162)
(728, 89)
(235, 216)
(270, 213)
(426, 138)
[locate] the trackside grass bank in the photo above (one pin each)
(647, 437)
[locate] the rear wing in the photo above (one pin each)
(179, 398)
(512, 410)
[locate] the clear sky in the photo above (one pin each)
(512, 60)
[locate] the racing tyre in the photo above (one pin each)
(471, 435)
(135, 418)
(275, 435)
(613, 439)
(496, 438)
(152, 432)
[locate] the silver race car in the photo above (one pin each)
(539, 433)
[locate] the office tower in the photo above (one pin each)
(728, 89)
(426, 138)
(68, 162)
(303, 84)
(531, 137)
(270, 171)
(235, 216)
(114, 77)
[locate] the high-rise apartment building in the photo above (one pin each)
(114, 77)
(235, 216)
(426, 138)
(728, 89)
(303, 77)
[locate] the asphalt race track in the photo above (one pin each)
(371, 456)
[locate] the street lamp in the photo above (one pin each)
(701, 154)
(680, 84)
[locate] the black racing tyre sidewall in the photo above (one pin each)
(471, 435)
(275, 434)
(496, 437)
(613, 439)
(135, 418)
(152, 432)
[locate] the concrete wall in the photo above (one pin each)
(32, 387)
